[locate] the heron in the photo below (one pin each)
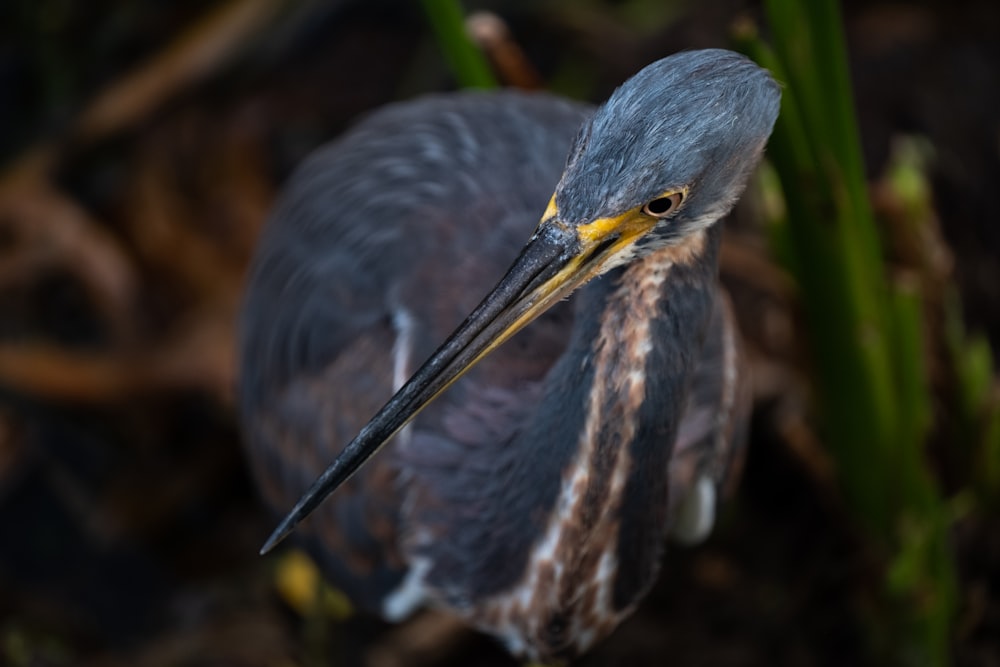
(590, 406)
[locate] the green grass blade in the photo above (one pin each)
(467, 62)
(866, 337)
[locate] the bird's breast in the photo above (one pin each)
(585, 572)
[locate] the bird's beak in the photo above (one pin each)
(556, 260)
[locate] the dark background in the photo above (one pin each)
(136, 167)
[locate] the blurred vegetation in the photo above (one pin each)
(465, 58)
(866, 324)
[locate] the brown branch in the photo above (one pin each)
(196, 54)
(200, 357)
(509, 60)
(50, 230)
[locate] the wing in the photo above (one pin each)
(316, 362)
(708, 454)
(380, 244)
(300, 430)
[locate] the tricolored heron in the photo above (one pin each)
(534, 496)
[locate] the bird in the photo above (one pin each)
(548, 412)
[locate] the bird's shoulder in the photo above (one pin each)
(421, 205)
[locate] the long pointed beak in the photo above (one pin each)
(557, 260)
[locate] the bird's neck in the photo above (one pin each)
(587, 487)
(632, 390)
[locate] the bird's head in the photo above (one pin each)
(666, 156)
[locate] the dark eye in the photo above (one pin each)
(661, 207)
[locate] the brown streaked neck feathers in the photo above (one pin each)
(582, 486)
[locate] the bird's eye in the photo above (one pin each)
(661, 207)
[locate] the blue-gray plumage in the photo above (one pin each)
(534, 493)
